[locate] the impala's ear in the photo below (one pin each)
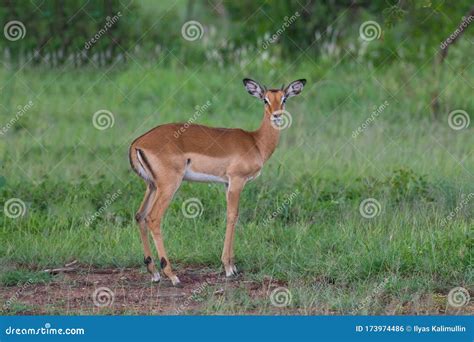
(254, 88)
(294, 88)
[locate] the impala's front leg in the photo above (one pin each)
(233, 195)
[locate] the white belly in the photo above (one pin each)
(190, 175)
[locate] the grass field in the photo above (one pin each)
(318, 246)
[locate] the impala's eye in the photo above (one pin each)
(266, 101)
(283, 100)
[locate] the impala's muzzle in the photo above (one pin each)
(277, 118)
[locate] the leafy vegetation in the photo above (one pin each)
(100, 33)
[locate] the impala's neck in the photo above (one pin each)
(266, 136)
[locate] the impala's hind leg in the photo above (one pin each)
(162, 199)
(140, 217)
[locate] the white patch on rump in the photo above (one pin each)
(190, 175)
(142, 169)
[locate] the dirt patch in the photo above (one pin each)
(112, 291)
(123, 291)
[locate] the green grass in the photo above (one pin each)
(417, 168)
(15, 277)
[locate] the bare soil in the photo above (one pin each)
(123, 291)
(113, 291)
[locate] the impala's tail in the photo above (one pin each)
(140, 164)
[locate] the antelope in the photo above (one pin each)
(204, 154)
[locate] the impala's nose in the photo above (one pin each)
(277, 120)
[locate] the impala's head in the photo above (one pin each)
(274, 99)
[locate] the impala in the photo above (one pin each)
(204, 154)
